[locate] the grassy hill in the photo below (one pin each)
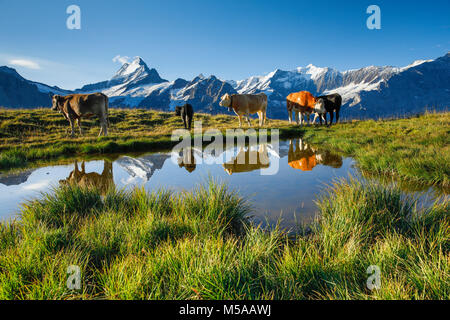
(414, 149)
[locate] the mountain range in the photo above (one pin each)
(369, 92)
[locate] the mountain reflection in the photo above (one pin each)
(101, 181)
(302, 156)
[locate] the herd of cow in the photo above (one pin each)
(303, 103)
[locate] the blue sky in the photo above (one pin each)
(231, 39)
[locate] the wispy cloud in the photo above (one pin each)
(121, 59)
(25, 63)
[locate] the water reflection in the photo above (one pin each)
(187, 160)
(103, 181)
(296, 165)
(304, 157)
(248, 159)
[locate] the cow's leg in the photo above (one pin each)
(337, 116)
(189, 119)
(79, 126)
(290, 116)
(297, 116)
(184, 120)
(260, 118)
(72, 124)
(264, 118)
(248, 120)
(331, 118)
(103, 127)
(315, 117)
(105, 130)
(240, 120)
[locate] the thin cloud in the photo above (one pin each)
(121, 59)
(25, 63)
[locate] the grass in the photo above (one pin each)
(414, 149)
(199, 245)
(40, 134)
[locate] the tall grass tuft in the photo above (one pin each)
(200, 245)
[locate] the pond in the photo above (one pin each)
(282, 183)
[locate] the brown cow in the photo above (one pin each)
(77, 106)
(245, 105)
(304, 103)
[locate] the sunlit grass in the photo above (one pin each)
(416, 149)
(199, 245)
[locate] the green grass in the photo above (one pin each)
(416, 149)
(28, 137)
(199, 245)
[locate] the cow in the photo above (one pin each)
(77, 106)
(332, 103)
(187, 113)
(103, 182)
(248, 160)
(303, 103)
(245, 105)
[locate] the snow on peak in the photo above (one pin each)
(315, 72)
(129, 68)
(415, 64)
(311, 71)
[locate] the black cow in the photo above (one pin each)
(187, 113)
(332, 103)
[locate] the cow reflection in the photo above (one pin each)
(187, 160)
(303, 157)
(102, 182)
(248, 160)
(328, 158)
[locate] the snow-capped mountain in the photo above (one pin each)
(136, 85)
(131, 84)
(367, 92)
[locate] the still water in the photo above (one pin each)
(281, 184)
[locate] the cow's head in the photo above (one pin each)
(319, 106)
(225, 101)
(56, 103)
